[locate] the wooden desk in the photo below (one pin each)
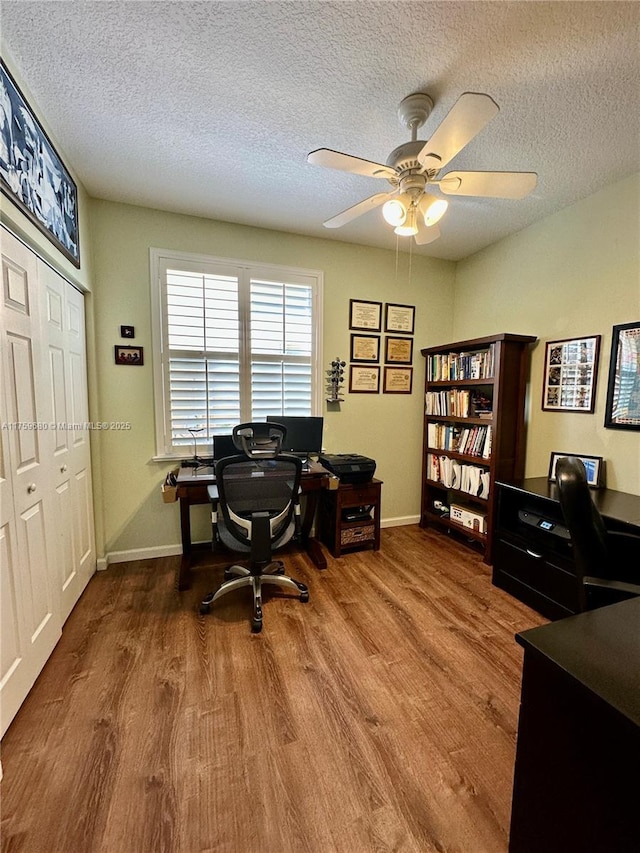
(536, 566)
(192, 489)
(578, 751)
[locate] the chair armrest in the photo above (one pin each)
(624, 551)
(601, 591)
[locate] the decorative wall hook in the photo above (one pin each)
(335, 378)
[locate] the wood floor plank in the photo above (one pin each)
(380, 716)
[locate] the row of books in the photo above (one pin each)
(472, 441)
(457, 475)
(476, 441)
(457, 402)
(461, 365)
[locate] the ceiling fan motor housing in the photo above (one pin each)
(405, 156)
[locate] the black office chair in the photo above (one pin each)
(255, 509)
(606, 561)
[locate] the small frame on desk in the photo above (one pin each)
(365, 348)
(594, 466)
(397, 380)
(365, 315)
(129, 355)
(623, 390)
(399, 318)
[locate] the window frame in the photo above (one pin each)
(159, 259)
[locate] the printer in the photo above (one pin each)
(349, 467)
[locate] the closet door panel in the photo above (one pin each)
(29, 548)
(12, 628)
(80, 450)
(64, 331)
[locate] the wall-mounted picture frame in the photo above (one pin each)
(623, 389)
(397, 380)
(364, 380)
(570, 373)
(127, 332)
(399, 318)
(398, 350)
(129, 355)
(594, 466)
(365, 315)
(33, 176)
(365, 348)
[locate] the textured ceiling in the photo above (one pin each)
(210, 108)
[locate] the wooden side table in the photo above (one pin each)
(350, 517)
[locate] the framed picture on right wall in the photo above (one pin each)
(623, 389)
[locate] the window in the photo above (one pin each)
(233, 342)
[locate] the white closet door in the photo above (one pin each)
(11, 627)
(70, 459)
(26, 405)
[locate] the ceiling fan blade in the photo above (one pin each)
(346, 163)
(426, 235)
(489, 184)
(358, 209)
(466, 118)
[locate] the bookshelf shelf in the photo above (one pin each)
(460, 383)
(459, 420)
(445, 521)
(461, 457)
(496, 370)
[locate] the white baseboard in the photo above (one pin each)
(137, 554)
(103, 563)
(399, 522)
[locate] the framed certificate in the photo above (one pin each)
(399, 318)
(365, 315)
(364, 380)
(398, 380)
(398, 350)
(365, 348)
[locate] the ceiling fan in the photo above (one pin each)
(414, 166)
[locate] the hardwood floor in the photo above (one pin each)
(380, 716)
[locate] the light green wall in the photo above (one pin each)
(576, 273)
(386, 427)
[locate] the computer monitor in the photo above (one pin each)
(304, 434)
(223, 446)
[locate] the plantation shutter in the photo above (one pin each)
(238, 344)
(281, 338)
(203, 339)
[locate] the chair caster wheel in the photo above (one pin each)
(304, 596)
(256, 626)
(204, 609)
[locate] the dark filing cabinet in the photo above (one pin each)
(532, 555)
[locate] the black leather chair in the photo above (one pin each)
(607, 562)
(255, 509)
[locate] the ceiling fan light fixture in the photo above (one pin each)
(433, 209)
(395, 211)
(409, 228)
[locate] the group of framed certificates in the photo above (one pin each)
(366, 325)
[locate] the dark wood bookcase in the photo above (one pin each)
(474, 416)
